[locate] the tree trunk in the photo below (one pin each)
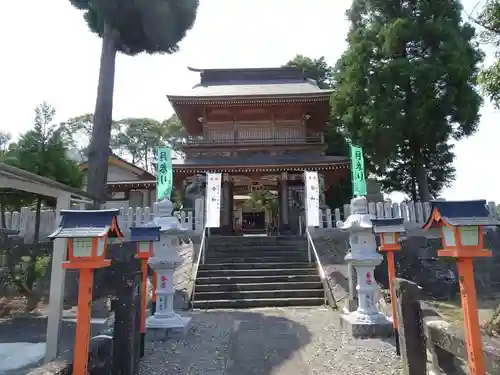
(32, 298)
(2, 216)
(103, 115)
(420, 173)
(36, 235)
(423, 185)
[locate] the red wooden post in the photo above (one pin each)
(389, 230)
(144, 236)
(87, 232)
(461, 225)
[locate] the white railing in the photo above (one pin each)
(313, 254)
(414, 213)
(23, 221)
(199, 260)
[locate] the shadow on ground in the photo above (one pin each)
(230, 342)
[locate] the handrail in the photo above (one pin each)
(326, 287)
(201, 259)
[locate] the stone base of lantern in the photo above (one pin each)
(361, 325)
(159, 329)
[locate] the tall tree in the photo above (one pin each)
(406, 82)
(131, 27)
(42, 151)
(139, 138)
(175, 133)
(323, 74)
(5, 138)
(316, 69)
(488, 18)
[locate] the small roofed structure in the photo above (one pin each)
(87, 232)
(389, 225)
(88, 223)
(459, 213)
(144, 234)
(461, 224)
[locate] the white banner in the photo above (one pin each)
(212, 211)
(312, 198)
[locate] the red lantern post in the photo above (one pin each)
(461, 225)
(144, 236)
(87, 232)
(389, 231)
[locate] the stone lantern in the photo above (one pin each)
(366, 321)
(163, 262)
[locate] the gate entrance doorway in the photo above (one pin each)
(254, 222)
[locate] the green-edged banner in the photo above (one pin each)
(358, 171)
(164, 174)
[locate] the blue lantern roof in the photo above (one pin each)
(460, 213)
(389, 225)
(88, 223)
(138, 234)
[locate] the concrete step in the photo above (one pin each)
(255, 279)
(256, 259)
(254, 253)
(258, 294)
(309, 285)
(255, 247)
(257, 272)
(248, 241)
(246, 266)
(261, 302)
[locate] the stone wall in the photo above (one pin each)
(417, 261)
(182, 274)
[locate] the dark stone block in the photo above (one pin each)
(411, 335)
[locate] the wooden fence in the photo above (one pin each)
(414, 214)
(24, 221)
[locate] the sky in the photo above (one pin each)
(51, 56)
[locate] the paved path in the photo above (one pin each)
(278, 341)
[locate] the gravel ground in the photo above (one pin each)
(278, 341)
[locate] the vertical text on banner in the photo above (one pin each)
(214, 181)
(312, 198)
(164, 173)
(358, 171)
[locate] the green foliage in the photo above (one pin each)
(152, 26)
(405, 84)
(489, 20)
(316, 69)
(262, 199)
(43, 151)
(323, 74)
(175, 133)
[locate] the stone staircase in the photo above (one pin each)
(243, 272)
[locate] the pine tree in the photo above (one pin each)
(131, 27)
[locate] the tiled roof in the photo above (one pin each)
(392, 225)
(144, 234)
(464, 213)
(86, 223)
(261, 82)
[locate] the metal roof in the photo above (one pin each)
(17, 174)
(87, 223)
(388, 225)
(462, 213)
(138, 234)
(253, 82)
